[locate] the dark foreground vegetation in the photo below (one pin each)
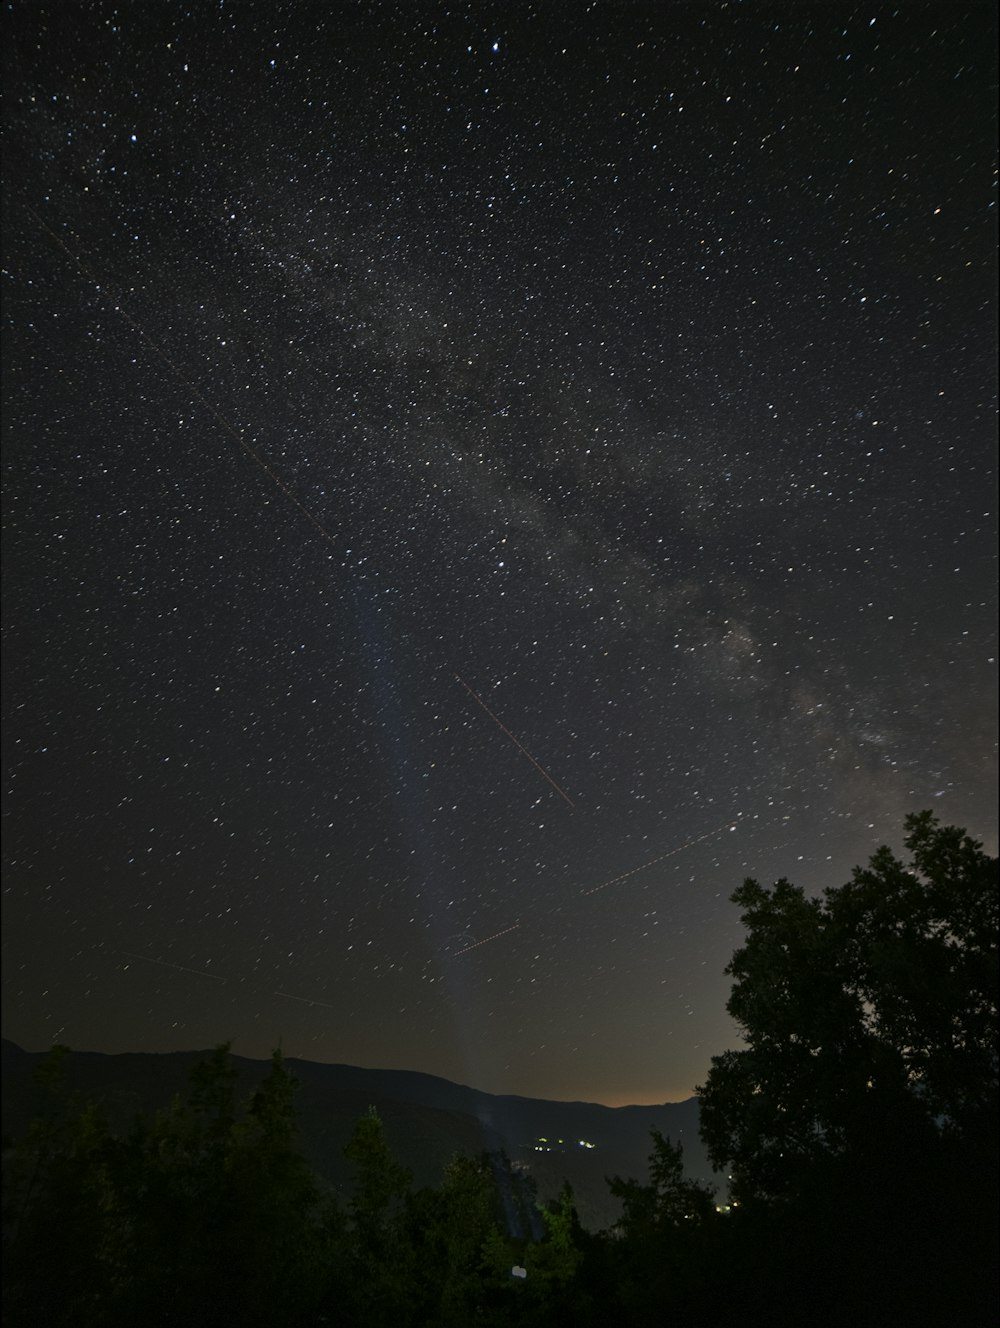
(858, 1126)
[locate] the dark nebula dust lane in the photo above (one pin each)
(477, 487)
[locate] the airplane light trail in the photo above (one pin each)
(730, 824)
(163, 963)
(237, 436)
(544, 773)
(486, 940)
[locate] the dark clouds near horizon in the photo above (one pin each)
(637, 362)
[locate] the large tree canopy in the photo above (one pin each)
(858, 1123)
(869, 1017)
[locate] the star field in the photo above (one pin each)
(479, 483)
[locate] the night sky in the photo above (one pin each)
(479, 483)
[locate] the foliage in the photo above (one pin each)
(199, 1215)
(858, 1122)
(669, 1200)
(463, 1257)
(658, 1238)
(379, 1259)
(869, 1018)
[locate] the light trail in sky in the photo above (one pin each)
(163, 963)
(486, 940)
(238, 437)
(726, 825)
(306, 1000)
(731, 824)
(520, 747)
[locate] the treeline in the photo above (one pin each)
(858, 1125)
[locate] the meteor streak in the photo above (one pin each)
(306, 1000)
(237, 436)
(522, 749)
(727, 825)
(163, 963)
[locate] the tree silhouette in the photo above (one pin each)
(205, 1214)
(382, 1271)
(669, 1200)
(859, 1123)
(656, 1251)
(869, 1016)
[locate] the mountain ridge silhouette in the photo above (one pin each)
(428, 1119)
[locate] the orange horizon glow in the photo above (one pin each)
(647, 1099)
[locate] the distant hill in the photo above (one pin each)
(427, 1119)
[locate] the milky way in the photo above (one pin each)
(631, 365)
